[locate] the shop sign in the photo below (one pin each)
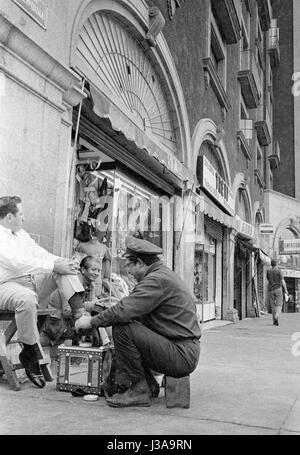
(212, 182)
(265, 228)
(35, 9)
(291, 273)
(291, 246)
(243, 228)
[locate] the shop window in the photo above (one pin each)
(112, 206)
(205, 271)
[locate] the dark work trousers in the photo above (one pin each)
(138, 348)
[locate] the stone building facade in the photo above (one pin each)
(283, 198)
(145, 117)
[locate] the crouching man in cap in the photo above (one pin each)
(154, 328)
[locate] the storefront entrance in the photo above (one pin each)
(208, 271)
(242, 281)
(293, 286)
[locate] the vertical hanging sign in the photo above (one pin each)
(36, 9)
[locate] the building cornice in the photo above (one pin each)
(13, 39)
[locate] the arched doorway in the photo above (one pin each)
(133, 131)
(212, 175)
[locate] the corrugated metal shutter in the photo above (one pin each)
(214, 228)
(260, 283)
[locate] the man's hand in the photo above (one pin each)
(84, 322)
(66, 266)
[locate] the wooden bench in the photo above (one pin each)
(6, 335)
(177, 392)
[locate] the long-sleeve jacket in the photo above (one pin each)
(160, 301)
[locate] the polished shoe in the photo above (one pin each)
(36, 379)
(32, 370)
(79, 392)
(136, 395)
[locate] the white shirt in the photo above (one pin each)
(20, 255)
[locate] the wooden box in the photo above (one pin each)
(177, 392)
(80, 367)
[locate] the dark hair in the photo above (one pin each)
(147, 259)
(274, 262)
(9, 204)
(85, 231)
(86, 262)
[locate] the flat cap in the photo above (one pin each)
(136, 246)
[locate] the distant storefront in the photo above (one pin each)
(212, 226)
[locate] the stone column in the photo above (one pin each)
(178, 222)
(229, 313)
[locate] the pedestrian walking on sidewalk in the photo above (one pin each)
(277, 290)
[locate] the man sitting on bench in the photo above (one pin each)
(27, 280)
(154, 328)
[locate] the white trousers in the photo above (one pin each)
(24, 295)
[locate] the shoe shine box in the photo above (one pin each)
(80, 367)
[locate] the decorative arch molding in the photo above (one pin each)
(289, 223)
(134, 16)
(206, 130)
(240, 182)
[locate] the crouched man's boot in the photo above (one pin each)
(29, 359)
(152, 383)
(136, 395)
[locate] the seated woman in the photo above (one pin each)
(60, 324)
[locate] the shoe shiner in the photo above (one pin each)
(155, 328)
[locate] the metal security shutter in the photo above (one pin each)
(214, 228)
(260, 283)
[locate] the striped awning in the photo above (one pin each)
(216, 213)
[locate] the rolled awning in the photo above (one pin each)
(245, 244)
(214, 212)
(264, 257)
(163, 161)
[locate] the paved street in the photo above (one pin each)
(247, 383)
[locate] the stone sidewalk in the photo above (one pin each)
(247, 383)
